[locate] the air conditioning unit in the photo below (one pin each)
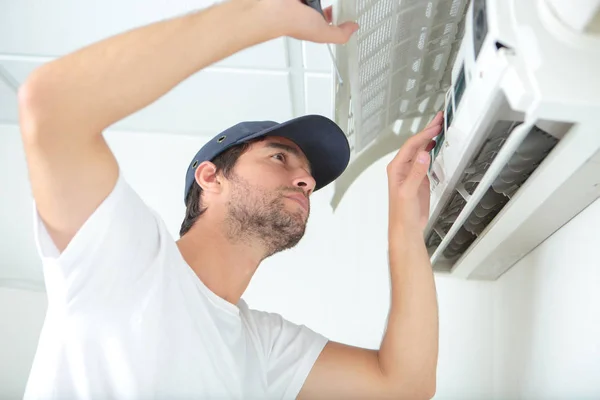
(519, 155)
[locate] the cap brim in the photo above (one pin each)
(322, 141)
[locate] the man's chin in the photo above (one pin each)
(295, 231)
(301, 219)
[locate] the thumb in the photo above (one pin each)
(341, 34)
(417, 173)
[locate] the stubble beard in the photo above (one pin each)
(257, 215)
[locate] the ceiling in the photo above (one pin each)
(277, 80)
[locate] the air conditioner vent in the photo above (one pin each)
(524, 161)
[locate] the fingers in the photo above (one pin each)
(417, 174)
(436, 123)
(430, 146)
(418, 142)
(308, 24)
(437, 120)
(328, 13)
(340, 34)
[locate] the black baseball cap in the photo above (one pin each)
(323, 143)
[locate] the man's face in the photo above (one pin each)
(269, 194)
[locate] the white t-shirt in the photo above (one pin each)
(127, 318)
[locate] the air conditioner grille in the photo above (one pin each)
(528, 156)
(402, 53)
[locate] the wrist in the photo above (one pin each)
(408, 230)
(404, 237)
(407, 250)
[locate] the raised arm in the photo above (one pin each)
(405, 365)
(66, 104)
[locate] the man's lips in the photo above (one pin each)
(300, 199)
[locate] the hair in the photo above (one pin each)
(224, 163)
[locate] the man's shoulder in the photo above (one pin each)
(259, 319)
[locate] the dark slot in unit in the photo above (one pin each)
(459, 89)
(439, 142)
(501, 46)
(480, 26)
(438, 145)
(449, 114)
(459, 86)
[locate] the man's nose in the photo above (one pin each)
(306, 182)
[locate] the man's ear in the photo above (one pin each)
(207, 177)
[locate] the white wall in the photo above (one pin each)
(335, 281)
(21, 317)
(18, 261)
(547, 317)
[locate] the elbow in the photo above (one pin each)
(42, 107)
(51, 106)
(32, 110)
(30, 91)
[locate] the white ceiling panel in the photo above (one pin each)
(319, 94)
(206, 102)
(54, 28)
(213, 100)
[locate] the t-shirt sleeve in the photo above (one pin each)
(291, 351)
(112, 254)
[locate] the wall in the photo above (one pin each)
(335, 280)
(21, 317)
(547, 317)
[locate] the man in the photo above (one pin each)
(134, 314)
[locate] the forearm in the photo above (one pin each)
(409, 350)
(99, 85)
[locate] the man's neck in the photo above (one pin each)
(226, 268)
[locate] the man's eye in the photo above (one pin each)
(279, 156)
